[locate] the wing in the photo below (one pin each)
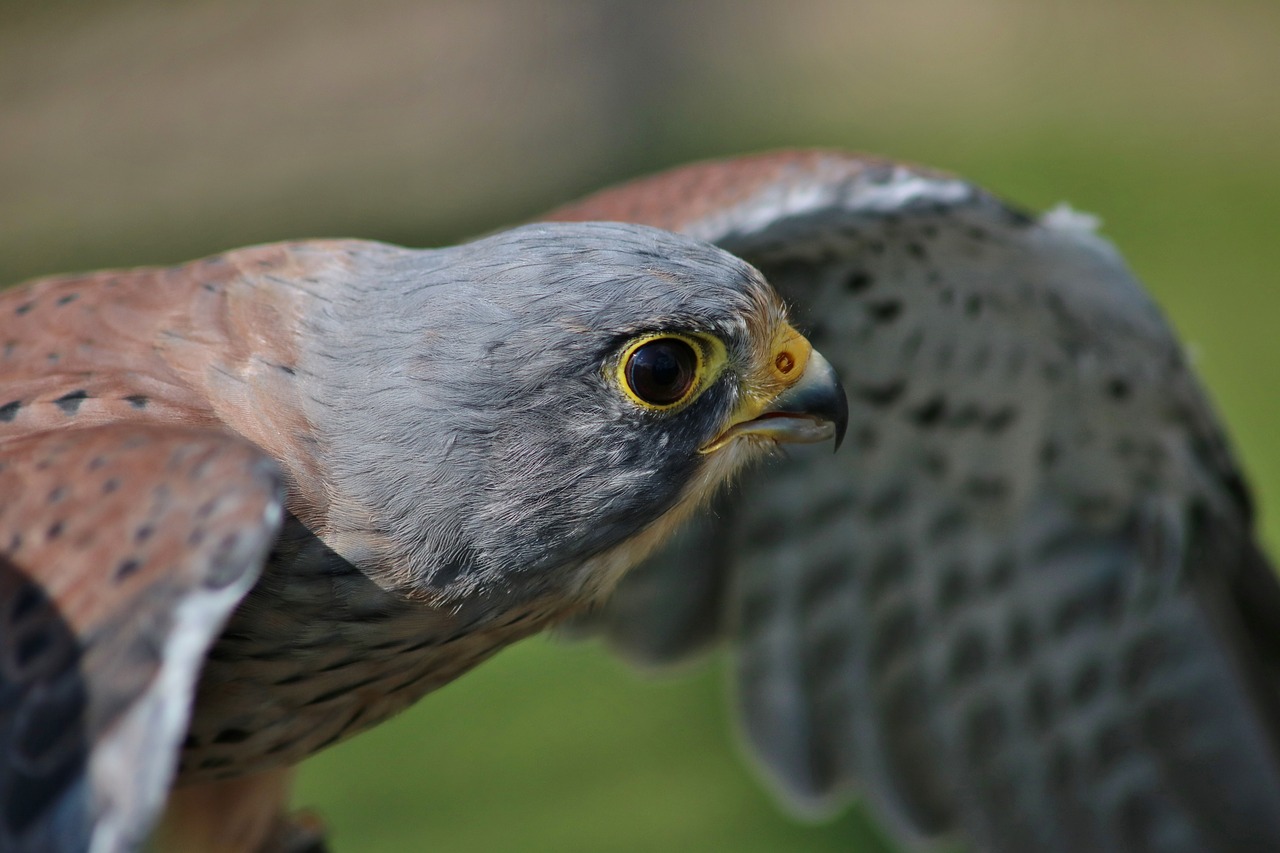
(1024, 605)
(123, 549)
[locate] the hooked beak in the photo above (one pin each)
(813, 409)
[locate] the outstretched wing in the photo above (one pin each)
(123, 549)
(1024, 606)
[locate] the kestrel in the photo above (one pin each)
(255, 504)
(1025, 608)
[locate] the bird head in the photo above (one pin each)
(530, 414)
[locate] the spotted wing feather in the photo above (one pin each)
(1024, 605)
(123, 549)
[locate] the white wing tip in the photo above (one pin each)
(1064, 217)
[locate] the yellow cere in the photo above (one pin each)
(787, 357)
(790, 354)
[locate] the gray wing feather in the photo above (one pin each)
(1010, 609)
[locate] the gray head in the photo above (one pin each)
(506, 412)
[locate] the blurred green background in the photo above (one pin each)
(146, 132)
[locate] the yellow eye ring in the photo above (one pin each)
(663, 371)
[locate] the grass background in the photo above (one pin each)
(137, 132)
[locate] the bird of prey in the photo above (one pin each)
(307, 483)
(1025, 609)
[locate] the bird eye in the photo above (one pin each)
(661, 371)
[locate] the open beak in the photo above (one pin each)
(812, 409)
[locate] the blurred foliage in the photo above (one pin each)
(137, 132)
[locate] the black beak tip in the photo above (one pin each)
(840, 417)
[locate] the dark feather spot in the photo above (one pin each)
(823, 583)
(929, 413)
(110, 485)
(1019, 637)
(24, 308)
(885, 311)
(28, 600)
(887, 504)
(138, 401)
(68, 299)
(954, 589)
(232, 736)
(1000, 420)
(1111, 745)
(1087, 683)
(70, 403)
(55, 530)
(143, 533)
(126, 568)
(215, 762)
(1049, 453)
(1118, 388)
(9, 411)
(968, 658)
(880, 395)
(946, 525)
(1040, 704)
(893, 635)
(858, 281)
(341, 664)
(890, 568)
(916, 250)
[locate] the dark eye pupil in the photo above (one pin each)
(662, 371)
